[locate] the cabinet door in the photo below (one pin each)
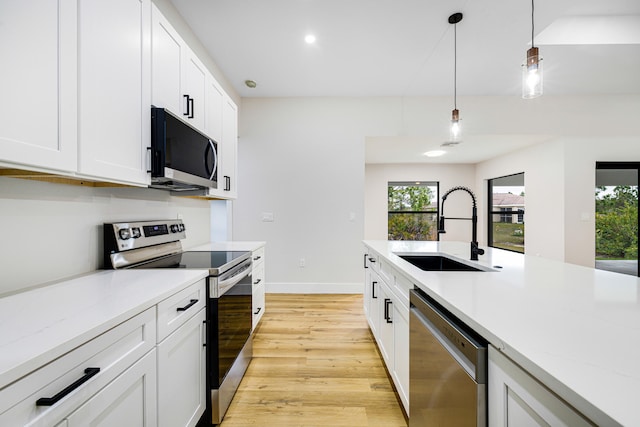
(129, 400)
(213, 110)
(385, 334)
(373, 293)
(517, 399)
(167, 51)
(229, 150)
(401, 352)
(38, 83)
(182, 374)
(193, 95)
(114, 84)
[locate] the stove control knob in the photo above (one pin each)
(124, 233)
(175, 228)
(135, 232)
(182, 227)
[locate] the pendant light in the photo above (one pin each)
(455, 133)
(532, 68)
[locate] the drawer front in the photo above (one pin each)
(112, 352)
(180, 307)
(257, 275)
(258, 256)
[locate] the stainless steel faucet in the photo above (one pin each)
(475, 250)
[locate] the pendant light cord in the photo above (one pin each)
(455, 65)
(532, 24)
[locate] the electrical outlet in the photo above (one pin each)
(302, 263)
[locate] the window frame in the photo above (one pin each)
(491, 212)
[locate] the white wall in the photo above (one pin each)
(543, 167)
(303, 160)
(53, 231)
(458, 204)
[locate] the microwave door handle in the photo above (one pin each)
(211, 172)
(215, 160)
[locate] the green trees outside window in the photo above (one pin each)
(617, 222)
(412, 211)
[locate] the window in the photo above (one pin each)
(617, 217)
(506, 212)
(413, 210)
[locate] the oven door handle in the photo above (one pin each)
(228, 283)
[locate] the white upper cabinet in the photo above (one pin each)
(229, 152)
(75, 87)
(114, 89)
(195, 76)
(38, 83)
(178, 76)
(214, 98)
(166, 64)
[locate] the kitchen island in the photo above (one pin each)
(574, 329)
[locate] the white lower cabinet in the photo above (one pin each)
(388, 317)
(129, 400)
(517, 399)
(92, 381)
(258, 294)
(147, 371)
(400, 372)
(182, 374)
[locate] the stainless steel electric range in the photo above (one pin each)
(156, 244)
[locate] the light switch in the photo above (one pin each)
(267, 216)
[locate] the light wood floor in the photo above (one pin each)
(314, 364)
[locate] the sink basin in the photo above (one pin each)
(437, 263)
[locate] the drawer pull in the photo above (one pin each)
(257, 258)
(258, 310)
(49, 401)
(257, 281)
(387, 313)
(186, 307)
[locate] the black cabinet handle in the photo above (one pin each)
(186, 307)
(191, 109)
(204, 333)
(258, 310)
(373, 290)
(365, 260)
(257, 281)
(187, 112)
(387, 303)
(257, 258)
(49, 401)
(372, 260)
(227, 183)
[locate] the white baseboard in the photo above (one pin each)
(314, 288)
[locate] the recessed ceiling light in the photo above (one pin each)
(435, 153)
(310, 39)
(250, 84)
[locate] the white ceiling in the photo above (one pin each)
(405, 48)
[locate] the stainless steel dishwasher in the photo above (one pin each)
(447, 368)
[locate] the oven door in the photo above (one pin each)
(229, 345)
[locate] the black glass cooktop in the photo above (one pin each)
(216, 261)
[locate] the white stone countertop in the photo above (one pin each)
(40, 325)
(229, 246)
(576, 329)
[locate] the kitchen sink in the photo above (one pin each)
(437, 263)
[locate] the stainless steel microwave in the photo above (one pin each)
(182, 158)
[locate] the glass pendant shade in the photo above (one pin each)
(455, 132)
(532, 75)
